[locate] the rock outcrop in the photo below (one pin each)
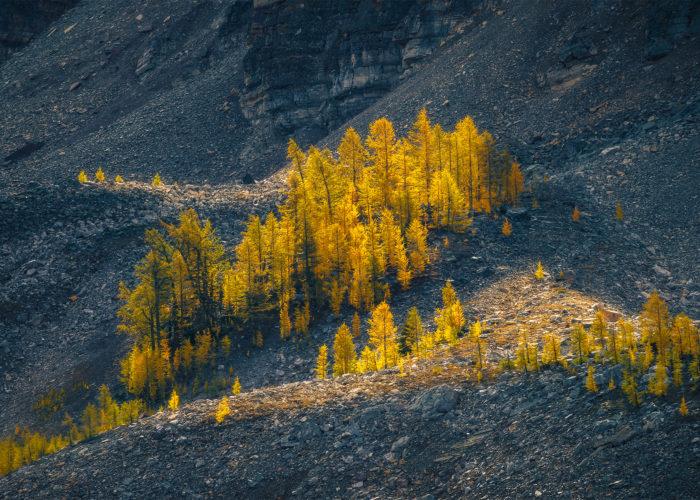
(312, 66)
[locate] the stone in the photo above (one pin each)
(400, 444)
(657, 48)
(368, 417)
(518, 213)
(255, 480)
(436, 401)
(306, 430)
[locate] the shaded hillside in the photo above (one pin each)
(421, 436)
(600, 97)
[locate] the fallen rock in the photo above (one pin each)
(436, 401)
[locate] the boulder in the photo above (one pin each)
(436, 401)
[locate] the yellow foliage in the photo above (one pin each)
(223, 410)
(285, 322)
(579, 342)
(475, 334)
(507, 228)
(551, 350)
(226, 346)
(575, 216)
(618, 212)
(344, 356)
(368, 360)
(382, 335)
(450, 318)
(683, 409)
(156, 180)
(356, 326)
(590, 380)
(322, 362)
(656, 322)
(236, 387)
(658, 384)
(174, 401)
(99, 175)
(118, 179)
(82, 177)
(539, 274)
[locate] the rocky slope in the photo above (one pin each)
(419, 436)
(600, 96)
(22, 20)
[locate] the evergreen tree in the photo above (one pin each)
(356, 326)
(507, 228)
(223, 410)
(411, 332)
(382, 335)
(579, 343)
(344, 357)
(475, 334)
(590, 380)
(539, 274)
(322, 362)
(449, 318)
(174, 401)
(656, 321)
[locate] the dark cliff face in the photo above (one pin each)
(311, 65)
(21, 20)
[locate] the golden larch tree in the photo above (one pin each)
(344, 356)
(382, 335)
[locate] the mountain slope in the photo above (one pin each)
(379, 435)
(602, 97)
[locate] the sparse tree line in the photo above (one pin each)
(100, 177)
(667, 346)
(390, 346)
(670, 346)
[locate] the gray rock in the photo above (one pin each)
(436, 401)
(400, 444)
(255, 480)
(518, 213)
(657, 48)
(306, 430)
(369, 417)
